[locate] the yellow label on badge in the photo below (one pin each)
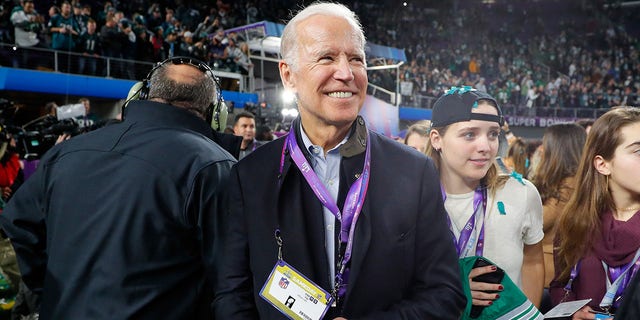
(294, 295)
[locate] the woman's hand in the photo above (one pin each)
(479, 290)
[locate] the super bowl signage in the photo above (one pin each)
(541, 122)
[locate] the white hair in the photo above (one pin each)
(289, 43)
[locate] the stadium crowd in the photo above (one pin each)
(547, 53)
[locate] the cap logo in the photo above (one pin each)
(460, 90)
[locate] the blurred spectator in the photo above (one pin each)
(561, 151)
(64, 28)
(11, 175)
(90, 119)
(517, 157)
(243, 61)
(244, 126)
(102, 15)
(191, 49)
(586, 124)
(209, 25)
(5, 24)
(233, 54)
(157, 40)
(252, 12)
(79, 17)
(86, 11)
(418, 135)
(168, 19)
(52, 12)
(264, 133)
(170, 45)
(112, 40)
(50, 109)
(128, 47)
(65, 32)
(27, 25)
(144, 47)
(217, 53)
(91, 47)
(155, 16)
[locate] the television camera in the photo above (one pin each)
(34, 138)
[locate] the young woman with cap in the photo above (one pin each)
(597, 248)
(495, 216)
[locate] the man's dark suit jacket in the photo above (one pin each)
(404, 264)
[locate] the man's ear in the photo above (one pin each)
(601, 165)
(286, 74)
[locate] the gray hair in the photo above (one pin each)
(194, 96)
(289, 43)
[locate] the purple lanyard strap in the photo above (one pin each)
(620, 278)
(619, 275)
(352, 205)
(463, 245)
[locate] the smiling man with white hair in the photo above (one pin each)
(334, 221)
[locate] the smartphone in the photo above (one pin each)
(491, 277)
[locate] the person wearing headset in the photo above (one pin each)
(121, 221)
(230, 142)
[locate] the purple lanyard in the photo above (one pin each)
(572, 277)
(352, 205)
(620, 278)
(462, 244)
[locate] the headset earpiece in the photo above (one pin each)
(146, 83)
(219, 117)
(144, 89)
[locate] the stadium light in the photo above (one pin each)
(288, 97)
(289, 112)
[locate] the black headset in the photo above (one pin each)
(215, 111)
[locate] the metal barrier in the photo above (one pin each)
(76, 63)
(548, 112)
(426, 102)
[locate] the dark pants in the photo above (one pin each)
(87, 65)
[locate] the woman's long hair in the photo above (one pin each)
(580, 220)
(519, 156)
(562, 148)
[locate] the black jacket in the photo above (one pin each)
(630, 307)
(120, 223)
(404, 264)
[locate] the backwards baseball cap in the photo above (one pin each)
(456, 105)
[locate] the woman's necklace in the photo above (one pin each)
(628, 209)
